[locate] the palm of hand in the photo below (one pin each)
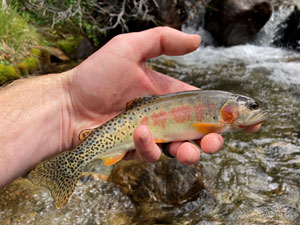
(103, 91)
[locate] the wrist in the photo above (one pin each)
(33, 123)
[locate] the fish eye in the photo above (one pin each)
(253, 105)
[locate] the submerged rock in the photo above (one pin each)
(166, 181)
(164, 192)
(288, 32)
(94, 202)
(235, 22)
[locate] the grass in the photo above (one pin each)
(17, 37)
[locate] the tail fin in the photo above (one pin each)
(59, 174)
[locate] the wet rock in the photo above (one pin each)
(166, 181)
(94, 202)
(85, 48)
(172, 13)
(288, 32)
(56, 55)
(235, 22)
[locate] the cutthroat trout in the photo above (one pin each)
(174, 117)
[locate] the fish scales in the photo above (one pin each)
(116, 134)
(173, 117)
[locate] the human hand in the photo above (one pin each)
(101, 86)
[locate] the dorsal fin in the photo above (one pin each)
(133, 102)
(84, 134)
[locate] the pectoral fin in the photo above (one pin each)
(205, 128)
(158, 141)
(84, 134)
(113, 159)
(132, 102)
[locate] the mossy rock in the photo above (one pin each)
(70, 45)
(8, 73)
(36, 52)
(32, 63)
(23, 68)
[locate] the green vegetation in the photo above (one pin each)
(17, 39)
(32, 63)
(8, 73)
(70, 44)
(29, 27)
(16, 35)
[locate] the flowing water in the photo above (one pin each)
(255, 179)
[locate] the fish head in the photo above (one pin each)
(241, 111)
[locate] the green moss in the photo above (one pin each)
(32, 64)
(69, 45)
(23, 68)
(36, 52)
(8, 73)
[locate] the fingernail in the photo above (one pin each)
(219, 139)
(145, 138)
(193, 154)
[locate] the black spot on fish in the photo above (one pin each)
(241, 99)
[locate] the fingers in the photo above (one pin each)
(211, 143)
(146, 148)
(185, 152)
(161, 40)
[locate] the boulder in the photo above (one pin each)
(234, 22)
(166, 181)
(172, 13)
(288, 32)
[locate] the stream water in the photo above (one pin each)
(255, 179)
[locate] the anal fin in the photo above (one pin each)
(132, 102)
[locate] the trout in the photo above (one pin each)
(173, 117)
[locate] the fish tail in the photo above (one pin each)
(60, 175)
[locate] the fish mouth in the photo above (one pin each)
(256, 119)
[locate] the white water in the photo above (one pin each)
(280, 65)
